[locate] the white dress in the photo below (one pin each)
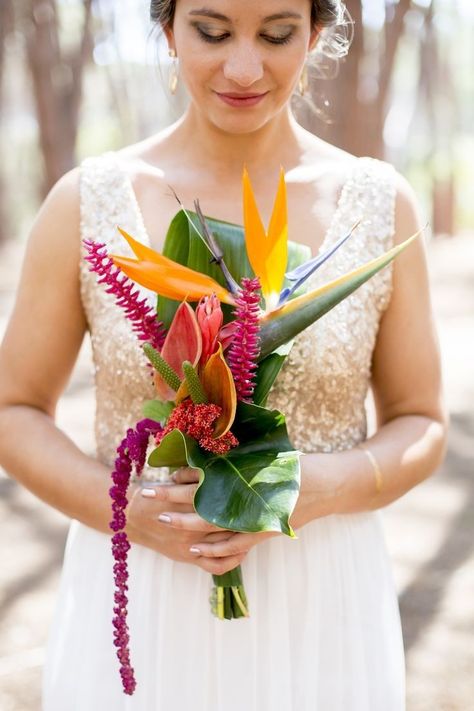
(324, 630)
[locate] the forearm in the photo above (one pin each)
(35, 452)
(407, 450)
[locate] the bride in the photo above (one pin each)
(324, 631)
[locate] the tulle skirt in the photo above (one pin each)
(324, 630)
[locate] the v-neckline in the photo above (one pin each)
(326, 238)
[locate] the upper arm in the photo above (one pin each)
(47, 325)
(406, 364)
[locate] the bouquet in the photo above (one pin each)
(230, 299)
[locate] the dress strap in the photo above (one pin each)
(369, 195)
(106, 202)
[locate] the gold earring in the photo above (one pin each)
(303, 82)
(173, 77)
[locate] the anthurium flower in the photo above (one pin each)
(210, 317)
(227, 333)
(166, 277)
(183, 342)
(219, 386)
(267, 251)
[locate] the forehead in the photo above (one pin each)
(238, 10)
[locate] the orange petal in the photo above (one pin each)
(182, 393)
(144, 253)
(278, 240)
(255, 236)
(174, 282)
(183, 342)
(219, 387)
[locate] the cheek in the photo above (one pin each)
(198, 69)
(286, 69)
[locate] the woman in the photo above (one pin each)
(324, 632)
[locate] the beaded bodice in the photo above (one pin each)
(324, 382)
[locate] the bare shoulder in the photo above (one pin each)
(408, 209)
(56, 226)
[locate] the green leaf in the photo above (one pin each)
(255, 486)
(267, 372)
(183, 245)
(157, 410)
(280, 326)
(171, 451)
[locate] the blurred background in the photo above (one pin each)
(80, 77)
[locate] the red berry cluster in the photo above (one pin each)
(198, 421)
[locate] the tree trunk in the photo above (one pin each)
(57, 84)
(6, 26)
(358, 102)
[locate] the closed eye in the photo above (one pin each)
(220, 38)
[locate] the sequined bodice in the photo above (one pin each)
(324, 382)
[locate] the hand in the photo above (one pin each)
(317, 496)
(234, 545)
(185, 528)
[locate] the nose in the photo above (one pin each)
(243, 65)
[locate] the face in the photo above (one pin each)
(241, 47)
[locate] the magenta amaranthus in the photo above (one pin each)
(143, 317)
(131, 452)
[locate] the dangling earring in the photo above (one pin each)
(173, 77)
(303, 80)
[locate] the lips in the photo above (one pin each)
(239, 96)
(241, 100)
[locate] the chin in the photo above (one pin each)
(240, 124)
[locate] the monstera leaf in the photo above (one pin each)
(255, 486)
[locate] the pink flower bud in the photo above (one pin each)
(209, 315)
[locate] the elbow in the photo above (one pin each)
(439, 438)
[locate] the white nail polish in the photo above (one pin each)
(193, 549)
(150, 493)
(165, 518)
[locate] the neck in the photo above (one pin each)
(262, 150)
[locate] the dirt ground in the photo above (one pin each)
(429, 531)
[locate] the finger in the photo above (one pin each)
(178, 493)
(215, 537)
(174, 493)
(237, 544)
(219, 566)
(185, 475)
(187, 522)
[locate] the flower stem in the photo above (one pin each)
(228, 598)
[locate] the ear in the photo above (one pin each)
(313, 38)
(169, 34)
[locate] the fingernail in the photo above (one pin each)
(173, 476)
(193, 549)
(149, 492)
(165, 518)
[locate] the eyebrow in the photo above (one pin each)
(218, 16)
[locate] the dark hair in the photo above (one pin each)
(324, 13)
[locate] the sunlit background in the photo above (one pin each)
(78, 78)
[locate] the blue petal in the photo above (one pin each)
(304, 271)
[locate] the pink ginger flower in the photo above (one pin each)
(244, 350)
